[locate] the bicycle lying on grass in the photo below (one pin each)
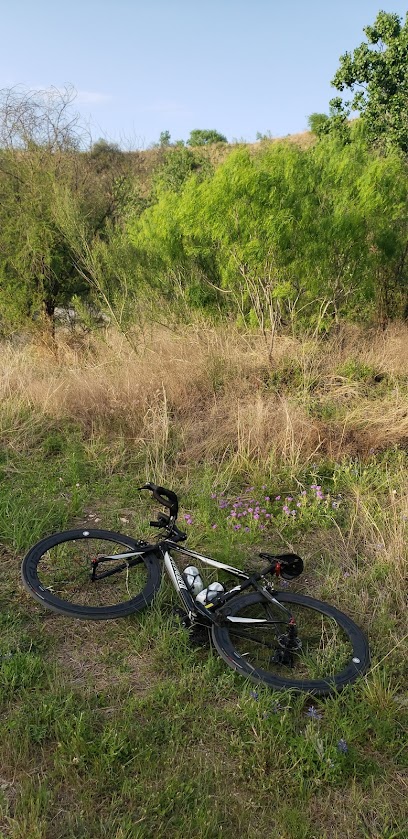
(283, 639)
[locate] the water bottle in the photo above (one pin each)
(192, 578)
(207, 595)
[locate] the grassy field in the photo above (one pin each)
(123, 729)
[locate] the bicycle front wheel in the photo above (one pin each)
(329, 653)
(58, 572)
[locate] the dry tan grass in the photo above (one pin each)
(217, 390)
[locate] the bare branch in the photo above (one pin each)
(39, 119)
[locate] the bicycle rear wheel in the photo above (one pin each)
(57, 572)
(331, 649)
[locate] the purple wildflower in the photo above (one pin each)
(313, 713)
(342, 746)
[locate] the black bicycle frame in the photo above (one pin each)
(212, 612)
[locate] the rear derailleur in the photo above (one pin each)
(289, 645)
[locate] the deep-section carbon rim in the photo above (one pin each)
(334, 650)
(57, 573)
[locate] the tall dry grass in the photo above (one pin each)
(217, 391)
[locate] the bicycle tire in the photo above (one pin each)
(237, 651)
(43, 570)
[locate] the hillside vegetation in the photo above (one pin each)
(278, 237)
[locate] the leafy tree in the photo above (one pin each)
(317, 122)
(164, 139)
(179, 164)
(104, 150)
(42, 172)
(205, 137)
(39, 138)
(377, 74)
(36, 268)
(262, 137)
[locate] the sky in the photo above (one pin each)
(141, 67)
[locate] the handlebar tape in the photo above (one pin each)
(164, 496)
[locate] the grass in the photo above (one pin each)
(123, 729)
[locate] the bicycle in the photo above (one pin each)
(280, 638)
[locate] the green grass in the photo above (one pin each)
(123, 730)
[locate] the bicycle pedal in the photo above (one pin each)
(199, 636)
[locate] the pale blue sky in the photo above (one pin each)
(139, 68)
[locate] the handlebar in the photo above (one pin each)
(164, 496)
(168, 499)
(162, 521)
